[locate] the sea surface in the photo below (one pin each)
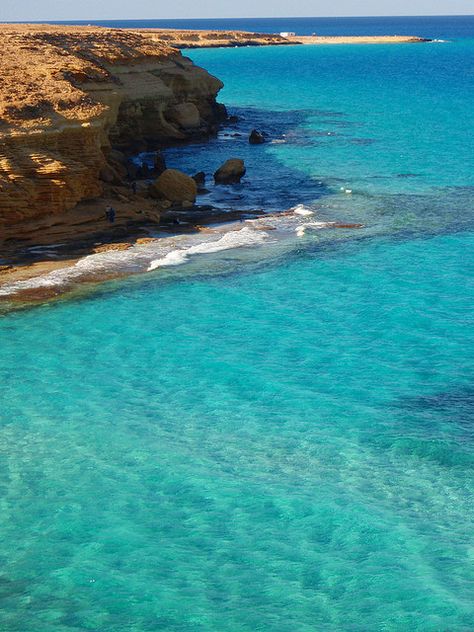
(424, 26)
(273, 429)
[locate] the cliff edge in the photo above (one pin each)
(69, 95)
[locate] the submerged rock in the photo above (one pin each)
(256, 137)
(231, 172)
(175, 186)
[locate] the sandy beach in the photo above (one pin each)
(359, 39)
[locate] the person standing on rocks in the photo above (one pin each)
(110, 214)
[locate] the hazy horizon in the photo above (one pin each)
(235, 17)
(90, 10)
(275, 17)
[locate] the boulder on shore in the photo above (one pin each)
(256, 137)
(175, 186)
(231, 172)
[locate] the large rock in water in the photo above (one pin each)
(256, 137)
(231, 172)
(175, 186)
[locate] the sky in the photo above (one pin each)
(34, 10)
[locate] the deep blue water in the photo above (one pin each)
(278, 437)
(424, 26)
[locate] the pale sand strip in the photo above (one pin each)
(359, 39)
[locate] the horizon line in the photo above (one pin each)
(282, 17)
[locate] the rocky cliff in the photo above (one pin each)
(189, 38)
(68, 95)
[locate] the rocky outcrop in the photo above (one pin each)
(210, 39)
(175, 186)
(200, 179)
(231, 172)
(256, 137)
(71, 97)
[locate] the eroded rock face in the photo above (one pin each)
(185, 115)
(175, 186)
(231, 172)
(49, 172)
(175, 100)
(67, 94)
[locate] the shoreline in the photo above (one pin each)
(44, 279)
(55, 241)
(26, 260)
(358, 39)
(189, 39)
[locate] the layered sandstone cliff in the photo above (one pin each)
(68, 94)
(188, 38)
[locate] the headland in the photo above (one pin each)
(77, 105)
(232, 39)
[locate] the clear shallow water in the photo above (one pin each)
(288, 448)
(280, 439)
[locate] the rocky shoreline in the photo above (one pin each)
(232, 39)
(78, 105)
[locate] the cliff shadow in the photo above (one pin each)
(274, 179)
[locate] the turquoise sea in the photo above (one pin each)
(277, 437)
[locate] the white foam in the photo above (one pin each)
(168, 250)
(302, 228)
(58, 277)
(233, 239)
(302, 210)
(40, 248)
(173, 258)
(93, 264)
